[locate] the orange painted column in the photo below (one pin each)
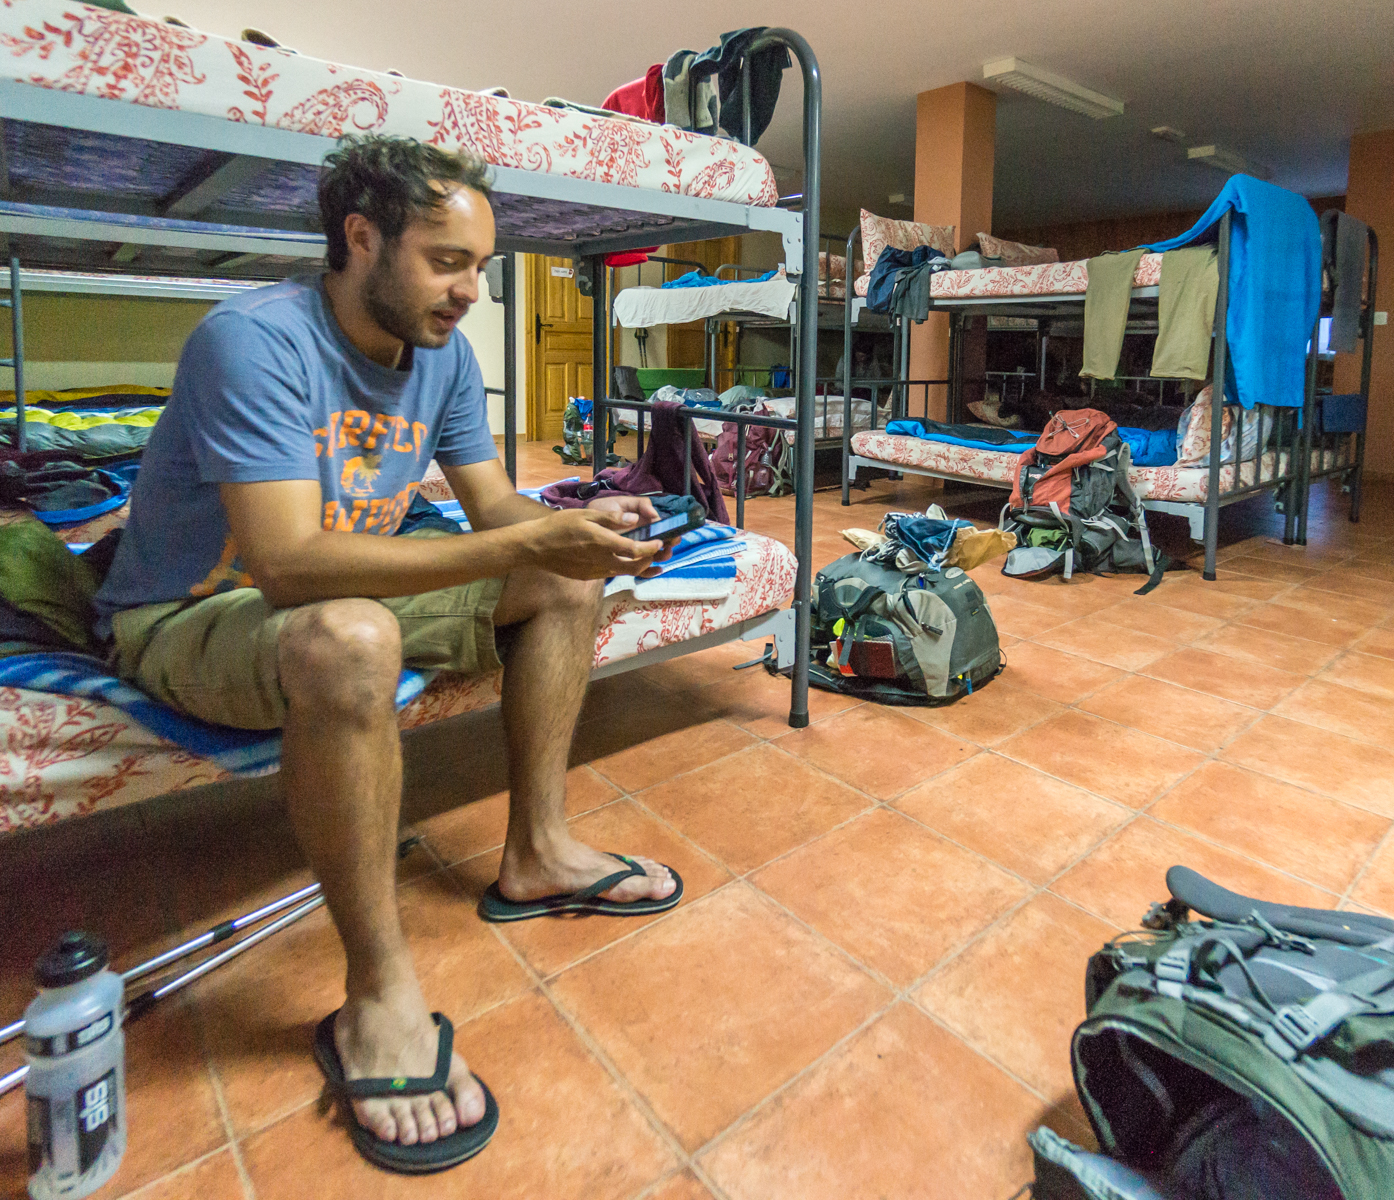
(955, 137)
(1370, 196)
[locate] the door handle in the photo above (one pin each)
(539, 327)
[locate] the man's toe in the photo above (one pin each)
(379, 1120)
(444, 1112)
(426, 1130)
(407, 1134)
(469, 1102)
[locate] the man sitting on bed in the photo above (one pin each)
(258, 585)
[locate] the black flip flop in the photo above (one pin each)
(494, 906)
(424, 1157)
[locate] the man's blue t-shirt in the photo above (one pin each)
(269, 388)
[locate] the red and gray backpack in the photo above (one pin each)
(1072, 507)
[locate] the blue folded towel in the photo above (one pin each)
(1274, 287)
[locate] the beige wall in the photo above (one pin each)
(1370, 196)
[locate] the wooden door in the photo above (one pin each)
(559, 326)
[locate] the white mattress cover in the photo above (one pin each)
(645, 307)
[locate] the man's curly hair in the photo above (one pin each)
(388, 180)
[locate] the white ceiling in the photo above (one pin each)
(1282, 82)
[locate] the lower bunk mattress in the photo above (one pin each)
(64, 756)
(998, 468)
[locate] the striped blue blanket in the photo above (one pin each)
(242, 751)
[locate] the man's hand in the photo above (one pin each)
(584, 543)
(641, 506)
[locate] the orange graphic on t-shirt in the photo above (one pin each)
(359, 474)
(226, 572)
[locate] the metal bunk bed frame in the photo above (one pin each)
(625, 218)
(805, 370)
(1290, 439)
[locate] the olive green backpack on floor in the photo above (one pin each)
(1236, 1050)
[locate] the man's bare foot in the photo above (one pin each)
(571, 866)
(385, 1037)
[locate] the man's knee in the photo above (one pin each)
(341, 654)
(540, 594)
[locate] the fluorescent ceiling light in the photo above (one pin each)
(1052, 88)
(1168, 134)
(1225, 160)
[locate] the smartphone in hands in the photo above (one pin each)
(669, 529)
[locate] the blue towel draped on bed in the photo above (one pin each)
(1274, 287)
(912, 428)
(242, 751)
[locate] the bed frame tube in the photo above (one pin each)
(16, 360)
(1322, 444)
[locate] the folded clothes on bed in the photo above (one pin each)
(241, 751)
(978, 437)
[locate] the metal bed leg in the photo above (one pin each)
(599, 368)
(740, 472)
(1217, 406)
(808, 359)
(848, 297)
(17, 352)
(510, 367)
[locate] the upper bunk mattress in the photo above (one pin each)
(1039, 279)
(118, 56)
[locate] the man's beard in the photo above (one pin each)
(384, 299)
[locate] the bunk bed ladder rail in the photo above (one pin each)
(808, 351)
(1217, 405)
(16, 360)
(805, 368)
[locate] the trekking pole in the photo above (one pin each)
(143, 1003)
(219, 933)
(309, 899)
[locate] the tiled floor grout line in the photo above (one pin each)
(150, 1186)
(192, 1011)
(596, 1051)
(1365, 869)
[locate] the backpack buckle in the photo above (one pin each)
(1175, 965)
(1297, 1027)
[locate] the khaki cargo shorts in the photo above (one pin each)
(217, 659)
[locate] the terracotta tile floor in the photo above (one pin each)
(870, 988)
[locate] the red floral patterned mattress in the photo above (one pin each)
(997, 468)
(140, 60)
(1041, 279)
(63, 756)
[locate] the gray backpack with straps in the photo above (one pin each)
(1238, 1050)
(916, 637)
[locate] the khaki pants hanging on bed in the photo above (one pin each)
(1186, 313)
(1106, 304)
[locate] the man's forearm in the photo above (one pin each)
(331, 566)
(509, 509)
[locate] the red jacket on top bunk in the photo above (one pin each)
(641, 98)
